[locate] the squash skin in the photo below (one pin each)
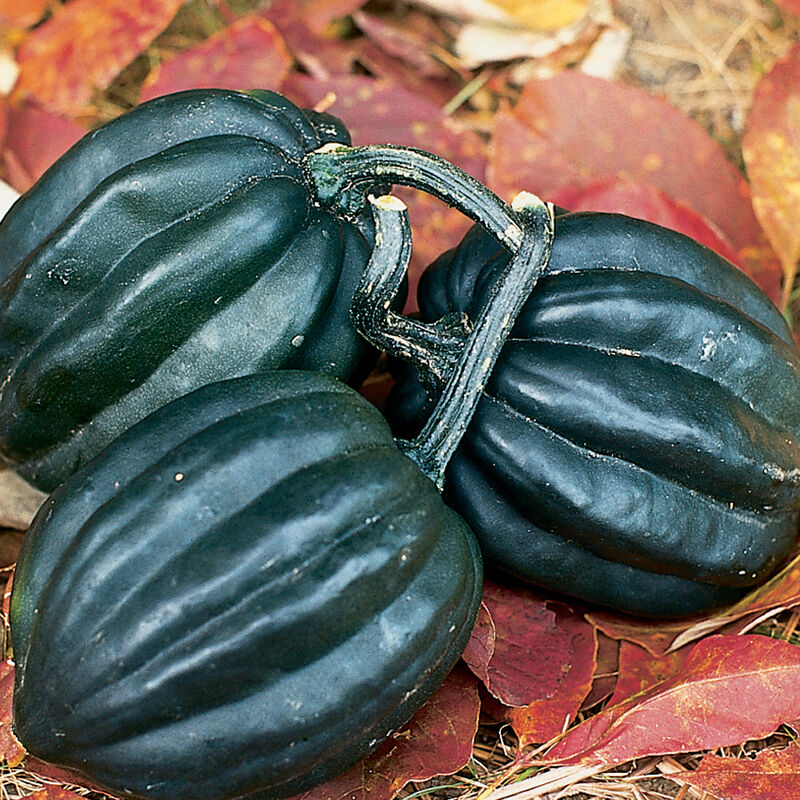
(281, 512)
(176, 245)
(637, 443)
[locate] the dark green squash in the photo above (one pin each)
(637, 444)
(244, 593)
(178, 244)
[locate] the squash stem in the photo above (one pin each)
(437, 441)
(343, 177)
(434, 348)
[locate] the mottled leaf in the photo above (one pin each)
(36, 138)
(535, 655)
(22, 13)
(771, 775)
(729, 689)
(437, 741)
(573, 129)
(790, 6)
(84, 46)
(643, 201)
(771, 150)
(10, 749)
(51, 792)
(250, 54)
(640, 671)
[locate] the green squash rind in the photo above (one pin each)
(254, 577)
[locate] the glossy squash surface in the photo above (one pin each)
(637, 443)
(176, 245)
(253, 579)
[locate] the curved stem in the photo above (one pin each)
(434, 348)
(344, 175)
(437, 441)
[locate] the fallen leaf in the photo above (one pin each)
(771, 775)
(643, 201)
(22, 13)
(250, 54)
(10, 749)
(51, 792)
(607, 667)
(790, 6)
(640, 671)
(83, 47)
(655, 636)
(540, 14)
(574, 129)
(19, 501)
(771, 150)
(534, 655)
(729, 689)
(437, 741)
(36, 138)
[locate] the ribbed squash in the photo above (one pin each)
(241, 596)
(178, 244)
(637, 443)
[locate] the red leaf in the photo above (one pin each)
(640, 671)
(655, 636)
(250, 54)
(605, 674)
(640, 200)
(790, 6)
(437, 741)
(84, 46)
(36, 138)
(574, 129)
(22, 13)
(771, 150)
(379, 112)
(729, 689)
(10, 749)
(771, 775)
(55, 793)
(534, 654)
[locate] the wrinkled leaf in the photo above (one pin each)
(640, 671)
(380, 112)
(729, 689)
(573, 129)
(771, 775)
(84, 46)
(771, 150)
(22, 13)
(605, 675)
(36, 138)
(250, 54)
(437, 741)
(535, 655)
(10, 749)
(640, 200)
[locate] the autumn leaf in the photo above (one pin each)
(83, 47)
(790, 6)
(729, 689)
(640, 671)
(604, 679)
(22, 13)
(534, 654)
(437, 741)
(10, 749)
(51, 792)
(574, 129)
(250, 54)
(643, 201)
(36, 138)
(771, 150)
(771, 775)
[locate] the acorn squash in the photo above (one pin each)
(637, 444)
